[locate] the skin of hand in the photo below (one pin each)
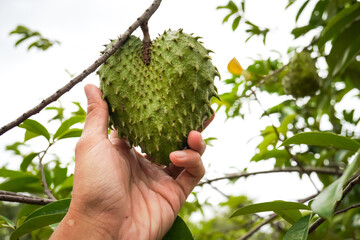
(118, 193)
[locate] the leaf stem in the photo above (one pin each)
(330, 171)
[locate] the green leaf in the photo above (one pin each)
(291, 2)
(44, 216)
(301, 9)
(269, 206)
(208, 141)
(80, 111)
(275, 153)
(26, 161)
(21, 40)
(59, 110)
(226, 18)
(26, 183)
(345, 48)
(352, 72)
(269, 139)
(67, 184)
(317, 13)
(24, 211)
(291, 216)
(299, 31)
(231, 6)
(339, 22)
(29, 135)
(6, 223)
(299, 231)
(285, 123)
(236, 23)
(323, 139)
(35, 127)
(325, 202)
(179, 230)
(70, 133)
(67, 124)
(60, 206)
(15, 147)
(280, 108)
(7, 173)
(60, 175)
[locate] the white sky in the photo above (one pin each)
(83, 26)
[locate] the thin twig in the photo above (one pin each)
(21, 198)
(219, 191)
(352, 182)
(143, 18)
(43, 178)
(347, 209)
(257, 228)
(347, 189)
(271, 75)
(330, 171)
(320, 221)
(304, 200)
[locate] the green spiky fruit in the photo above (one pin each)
(155, 106)
(301, 79)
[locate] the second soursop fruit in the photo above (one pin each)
(155, 106)
(301, 79)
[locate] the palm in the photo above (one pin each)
(127, 186)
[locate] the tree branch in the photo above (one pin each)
(143, 18)
(330, 171)
(21, 198)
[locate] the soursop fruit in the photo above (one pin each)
(156, 105)
(301, 79)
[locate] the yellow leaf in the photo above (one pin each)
(234, 67)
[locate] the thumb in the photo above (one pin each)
(96, 122)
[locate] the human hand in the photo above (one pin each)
(118, 193)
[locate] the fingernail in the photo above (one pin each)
(179, 154)
(202, 140)
(88, 91)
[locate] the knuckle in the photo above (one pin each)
(79, 145)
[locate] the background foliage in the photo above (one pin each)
(316, 136)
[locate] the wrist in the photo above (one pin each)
(76, 225)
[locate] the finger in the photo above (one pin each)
(196, 142)
(194, 169)
(96, 123)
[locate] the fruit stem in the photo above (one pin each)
(147, 43)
